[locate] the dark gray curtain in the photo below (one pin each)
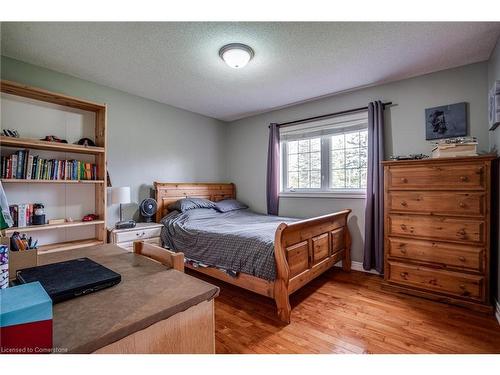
(273, 170)
(374, 211)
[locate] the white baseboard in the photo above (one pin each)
(497, 311)
(358, 266)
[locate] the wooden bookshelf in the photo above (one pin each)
(36, 144)
(35, 228)
(22, 181)
(99, 153)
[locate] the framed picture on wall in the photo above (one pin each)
(447, 121)
(494, 106)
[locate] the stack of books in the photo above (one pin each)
(22, 165)
(459, 147)
(21, 214)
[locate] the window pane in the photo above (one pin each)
(352, 140)
(304, 156)
(293, 147)
(293, 162)
(338, 179)
(304, 179)
(338, 159)
(338, 142)
(363, 138)
(363, 177)
(348, 160)
(316, 161)
(304, 162)
(315, 179)
(363, 157)
(352, 158)
(315, 144)
(293, 180)
(352, 178)
(304, 146)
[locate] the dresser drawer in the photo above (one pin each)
(139, 234)
(437, 176)
(447, 282)
(439, 228)
(444, 254)
(437, 202)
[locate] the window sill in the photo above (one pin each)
(323, 194)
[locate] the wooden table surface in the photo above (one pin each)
(148, 293)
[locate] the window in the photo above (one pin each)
(327, 156)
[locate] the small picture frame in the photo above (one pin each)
(494, 106)
(447, 121)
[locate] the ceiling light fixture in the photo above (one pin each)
(236, 55)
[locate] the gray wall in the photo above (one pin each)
(147, 140)
(494, 74)
(247, 138)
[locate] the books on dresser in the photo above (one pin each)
(455, 150)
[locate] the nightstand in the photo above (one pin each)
(147, 232)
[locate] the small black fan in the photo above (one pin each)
(148, 209)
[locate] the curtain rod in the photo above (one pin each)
(290, 123)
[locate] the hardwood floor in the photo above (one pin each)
(348, 313)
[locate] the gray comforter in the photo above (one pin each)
(238, 241)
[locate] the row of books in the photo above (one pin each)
(22, 165)
(21, 214)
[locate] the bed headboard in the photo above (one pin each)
(167, 192)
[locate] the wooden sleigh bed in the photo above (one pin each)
(303, 250)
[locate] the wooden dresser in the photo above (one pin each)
(437, 229)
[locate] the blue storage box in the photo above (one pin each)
(25, 319)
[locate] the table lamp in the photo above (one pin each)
(121, 195)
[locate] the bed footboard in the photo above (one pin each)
(304, 250)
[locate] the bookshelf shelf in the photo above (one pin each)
(22, 181)
(49, 146)
(97, 228)
(37, 228)
(68, 245)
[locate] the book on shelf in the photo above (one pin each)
(14, 211)
(23, 165)
(22, 215)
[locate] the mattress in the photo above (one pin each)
(235, 241)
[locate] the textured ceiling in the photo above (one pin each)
(178, 63)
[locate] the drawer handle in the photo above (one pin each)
(465, 292)
(464, 178)
(404, 180)
(404, 204)
(462, 259)
(404, 275)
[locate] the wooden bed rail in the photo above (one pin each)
(304, 250)
(161, 255)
